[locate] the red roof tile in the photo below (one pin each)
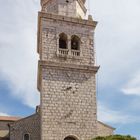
(9, 118)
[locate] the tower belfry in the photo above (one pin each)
(66, 72)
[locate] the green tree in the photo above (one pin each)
(115, 137)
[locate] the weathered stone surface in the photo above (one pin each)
(68, 103)
(69, 8)
(104, 130)
(29, 125)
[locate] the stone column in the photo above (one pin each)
(69, 45)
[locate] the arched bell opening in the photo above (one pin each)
(63, 41)
(75, 43)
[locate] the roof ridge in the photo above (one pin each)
(9, 118)
(106, 125)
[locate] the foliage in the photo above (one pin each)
(115, 137)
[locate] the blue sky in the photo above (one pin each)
(117, 43)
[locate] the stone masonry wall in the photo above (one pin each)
(50, 7)
(68, 104)
(50, 30)
(67, 9)
(4, 125)
(61, 7)
(103, 130)
(29, 125)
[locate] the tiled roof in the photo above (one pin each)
(106, 125)
(9, 118)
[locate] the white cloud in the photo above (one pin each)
(18, 56)
(132, 91)
(108, 115)
(3, 114)
(117, 39)
(132, 87)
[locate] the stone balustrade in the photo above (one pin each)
(64, 52)
(75, 52)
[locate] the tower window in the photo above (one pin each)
(75, 42)
(26, 137)
(63, 41)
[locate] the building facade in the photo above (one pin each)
(19, 129)
(66, 77)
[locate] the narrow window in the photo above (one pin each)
(75, 42)
(26, 137)
(63, 41)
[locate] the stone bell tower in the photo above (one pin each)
(66, 71)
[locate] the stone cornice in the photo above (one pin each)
(88, 68)
(67, 19)
(62, 66)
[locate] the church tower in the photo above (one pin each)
(66, 71)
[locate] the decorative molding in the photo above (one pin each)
(88, 68)
(67, 19)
